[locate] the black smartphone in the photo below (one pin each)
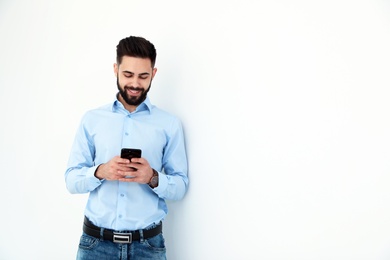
(129, 153)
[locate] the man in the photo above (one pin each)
(126, 204)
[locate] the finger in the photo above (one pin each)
(133, 166)
(138, 160)
(128, 179)
(128, 171)
(126, 168)
(122, 160)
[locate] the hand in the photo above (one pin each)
(113, 169)
(139, 170)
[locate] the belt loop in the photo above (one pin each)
(141, 236)
(101, 234)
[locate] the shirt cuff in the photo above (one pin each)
(162, 183)
(92, 180)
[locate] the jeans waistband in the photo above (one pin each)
(119, 236)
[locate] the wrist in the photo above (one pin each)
(153, 182)
(97, 175)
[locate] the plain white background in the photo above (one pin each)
(285, 106)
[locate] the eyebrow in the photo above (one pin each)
(141, 74)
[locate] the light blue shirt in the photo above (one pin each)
(102, 133)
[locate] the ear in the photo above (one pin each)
(154, 72)
(116, 68)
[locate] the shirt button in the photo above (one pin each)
(120, 216)
(126, 133)
(122, 195)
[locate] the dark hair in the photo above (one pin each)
(134, 46)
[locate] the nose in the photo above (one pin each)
(134, 82)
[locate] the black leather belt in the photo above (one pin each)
(123, 237)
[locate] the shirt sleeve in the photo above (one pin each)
(173, 183)
(80, 172)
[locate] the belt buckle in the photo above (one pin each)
(122, 238)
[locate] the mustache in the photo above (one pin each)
(133, 88)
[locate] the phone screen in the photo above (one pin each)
(129, 153)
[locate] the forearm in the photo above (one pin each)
(81, 180)
(172, 187)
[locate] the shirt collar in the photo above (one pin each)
(144, 106)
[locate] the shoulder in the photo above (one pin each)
(167, 120)
(165, 115)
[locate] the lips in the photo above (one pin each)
(133, 91)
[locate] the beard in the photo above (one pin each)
(130, 100)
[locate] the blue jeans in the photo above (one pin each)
(91, 248)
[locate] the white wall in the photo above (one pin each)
(285, 106)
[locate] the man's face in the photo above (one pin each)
(134, 78)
